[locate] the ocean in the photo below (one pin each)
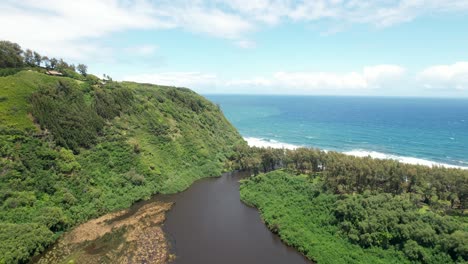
(425, 131)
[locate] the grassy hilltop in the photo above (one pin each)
(73, 148)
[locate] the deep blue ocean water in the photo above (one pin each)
(414, 130)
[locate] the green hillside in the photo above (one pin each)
(75, 148)
(336, 208)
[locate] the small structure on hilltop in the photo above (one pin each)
(54, 73)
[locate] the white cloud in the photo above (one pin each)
(384, 72)
(73, 29)
(258, 81)
(377, 12)
(179, 79)
(142, 50)
(379, 79)
(291, 82)
(67, 28)
(245, 44)
(369, 78)
(213, 22)
(453, 76)
(320, 80)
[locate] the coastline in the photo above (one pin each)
(261, 142)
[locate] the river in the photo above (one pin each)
(208, 223)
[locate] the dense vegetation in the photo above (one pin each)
(13, 59)
(336, 208)
(73, 148)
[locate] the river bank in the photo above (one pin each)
(127, 236)
(207, 223)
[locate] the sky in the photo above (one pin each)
(322, 47)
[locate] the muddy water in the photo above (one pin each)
(209, 224)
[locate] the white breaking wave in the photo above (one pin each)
(268, 143)
(407, 160)
(261, 142)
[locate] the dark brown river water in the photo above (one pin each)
(209, 224)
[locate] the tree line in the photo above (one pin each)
(440, 187)
(13, 56)
(389, 209)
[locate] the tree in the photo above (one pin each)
(10, 55)
(62, 65)
(29, 57)
(82, 69)
(37, 58)
(46, 61)
(53, 63)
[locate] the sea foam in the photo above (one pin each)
(262, 142)
(402, 159)
(268, 143)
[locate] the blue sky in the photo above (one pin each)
(333, 47)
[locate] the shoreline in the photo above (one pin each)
(122, 236)
(265, 143)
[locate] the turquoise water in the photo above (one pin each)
(413, 130)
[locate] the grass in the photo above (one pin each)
(153, 139)
(15, 91)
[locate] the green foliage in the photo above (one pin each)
(61, 108)
(53, 218)
(10, 55)
(20, 241)
(443, 189)
(82, 69)
(16, 90)
(67, 162)
(92, 79)
(388, 221)
(13, 58)
(178, 134)
(110, 102)
(379, 225)
(294, 207)
(9, 71)
(71, 150)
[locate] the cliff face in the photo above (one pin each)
(75, 149)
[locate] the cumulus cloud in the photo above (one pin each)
(73, 28)
(179, 79)
(67, 28)
(368, 78)
(142, 50)
(213, 22)
(380, 13)
(377, 79)
(452, 76)
(293, 82)
(320, 80)
(385, 72)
